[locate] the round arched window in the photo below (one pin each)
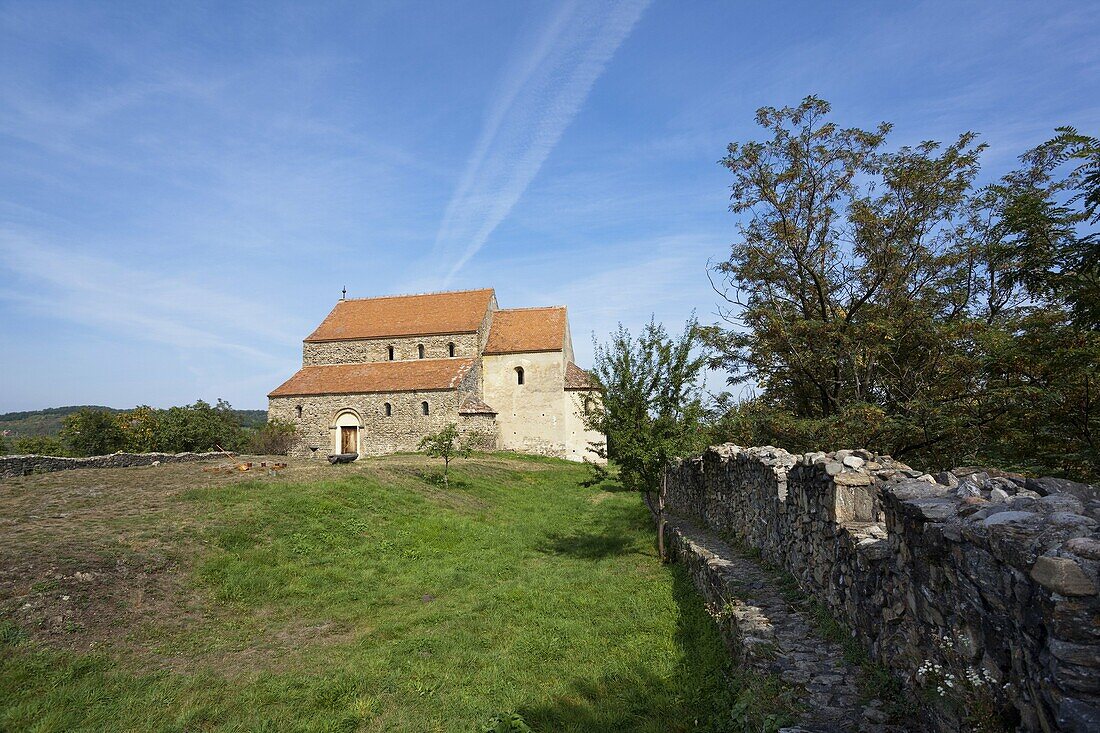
(519, 375)
(423, 408)
(388, 408)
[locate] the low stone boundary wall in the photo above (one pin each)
(978, 578)
(11, 466)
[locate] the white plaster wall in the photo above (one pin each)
(578, 437)
(531, 417)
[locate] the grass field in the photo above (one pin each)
(362, 597)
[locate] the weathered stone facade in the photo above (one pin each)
(379, 433)
(975, 571)
(513, 396)
(405, 349)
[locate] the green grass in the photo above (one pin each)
(378, 601)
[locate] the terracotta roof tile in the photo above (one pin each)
(379, 376)
(405, 315)
(577, 378)
(527, 329)
(473, 406)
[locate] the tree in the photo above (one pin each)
(445, 444)
(140, 429)
(879, 297)
(199, 427)
(651, 407)
(91, 432)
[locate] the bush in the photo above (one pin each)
(91, 432)
(40, 445)
(275, 438)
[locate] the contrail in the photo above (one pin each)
(535, 104)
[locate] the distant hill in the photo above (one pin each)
(48, 421)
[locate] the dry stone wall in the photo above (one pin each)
(971, 573)
(25, 465)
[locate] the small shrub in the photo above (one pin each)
(275, 438)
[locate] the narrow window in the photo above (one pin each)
(420, 351)
(451, 349)
(423, 408)
(519, 375)
(390, 351)
(298, 411)
(389, 409)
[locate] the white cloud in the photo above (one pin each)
(133, 303)
(541, 95)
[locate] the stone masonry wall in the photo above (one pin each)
(380, 434)
(352, 352)
(976, 571)
(25, 465)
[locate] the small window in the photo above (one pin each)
(519, 375)
(420, 351)
(390, 352)
(451, 349)
(423, 408)
(388, 408)
(298, 411)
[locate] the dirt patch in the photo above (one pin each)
(100, 559)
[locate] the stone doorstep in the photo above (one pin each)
(768, 635)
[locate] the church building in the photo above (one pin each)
(379, 374)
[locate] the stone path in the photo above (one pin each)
(767, 634)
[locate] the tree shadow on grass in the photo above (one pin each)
(702, 693)
(615, 532)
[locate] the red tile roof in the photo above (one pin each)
(379, 376)
(405, 315)
(577, 378)
(522, 330)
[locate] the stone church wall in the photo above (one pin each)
(379, 434)
(364, 350)
(969, 570)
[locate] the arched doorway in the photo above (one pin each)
(347, 427)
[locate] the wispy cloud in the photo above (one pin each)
(126, 301)
(537, 100)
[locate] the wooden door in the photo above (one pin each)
(347, 439)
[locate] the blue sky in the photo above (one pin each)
(186, 187)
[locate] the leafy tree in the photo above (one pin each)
(91, 432)
(878, 297)
(651, 407)
(446, 445)
(140, 429)
(40, 445)
(4, 447)
(199, 427)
